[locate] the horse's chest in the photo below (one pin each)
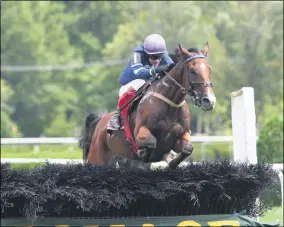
(162, 122)
(167, 128)
(159, 121)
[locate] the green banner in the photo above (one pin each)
(173, 221)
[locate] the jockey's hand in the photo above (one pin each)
(171, 65)
(161, 68)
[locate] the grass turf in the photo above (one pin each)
(275, 214)
(72, 151)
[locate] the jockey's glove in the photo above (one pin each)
(159, 69)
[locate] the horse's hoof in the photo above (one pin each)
(144, 154)
(188, 149)
(159, 165)
(168, 157)
(141, 153)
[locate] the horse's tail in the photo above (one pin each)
(91, 122)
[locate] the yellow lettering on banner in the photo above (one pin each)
(62, 226)
(148, 225)
(189, 224)
(90, 226)
(226, 223)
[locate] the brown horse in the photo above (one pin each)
(161, 120)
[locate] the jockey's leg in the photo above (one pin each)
(126, 93)
(184, 148)
(116, 120)
(135, 84)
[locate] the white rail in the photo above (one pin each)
(40, 160)
(71, 140)
(38, 140)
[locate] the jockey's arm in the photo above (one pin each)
(138, 69)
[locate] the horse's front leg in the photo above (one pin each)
(146, 142)
(183, 147)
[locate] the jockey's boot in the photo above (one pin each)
(116, 122)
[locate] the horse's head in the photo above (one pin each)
(196, 71)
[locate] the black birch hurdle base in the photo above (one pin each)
(77, 190)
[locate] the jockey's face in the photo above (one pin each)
(155, 59)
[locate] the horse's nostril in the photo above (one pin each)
(206, 101)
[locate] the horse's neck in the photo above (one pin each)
(178, 74)
(173, 85)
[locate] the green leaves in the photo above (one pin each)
(8, 127)
(245, 41)
(37, 37)
(270, 141)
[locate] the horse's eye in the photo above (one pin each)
(192, 70)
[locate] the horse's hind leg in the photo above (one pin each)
(99, 153)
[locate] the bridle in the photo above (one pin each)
(196, 97)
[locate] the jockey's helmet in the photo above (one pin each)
(154, 44)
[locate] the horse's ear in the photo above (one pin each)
(183, 52)
(180, 48)
(206, 49)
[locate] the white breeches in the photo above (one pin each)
(135, 84)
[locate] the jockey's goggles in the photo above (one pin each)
(156, 56)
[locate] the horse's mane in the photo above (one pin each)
(176, 57)
(194, 50)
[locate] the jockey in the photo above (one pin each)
(146, 61)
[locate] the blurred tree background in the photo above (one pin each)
(246, 49)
